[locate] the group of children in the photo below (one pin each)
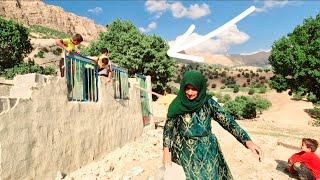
(69, 45)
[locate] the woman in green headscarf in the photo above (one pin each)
(187, 137)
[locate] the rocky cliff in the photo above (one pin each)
(35, 12)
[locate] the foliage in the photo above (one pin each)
(316, 122)
(48, 32)
(295, 59)
(40, 54)
(262, 89)
(14, 44)
(246, 106)
(261, 103)
(236, 89)
(25, 68)
(57, 51)
(224, 99)
(139, 53)
(312, 98)
(251, 91)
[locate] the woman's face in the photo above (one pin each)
(191, 92)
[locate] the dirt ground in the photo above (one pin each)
(285, 123)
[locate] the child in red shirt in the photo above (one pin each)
(306, 163)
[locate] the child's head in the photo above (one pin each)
(77, 39)
(104, 59)
(104, 51)
(309, 145)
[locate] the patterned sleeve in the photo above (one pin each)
(228, 122)
(168, 132)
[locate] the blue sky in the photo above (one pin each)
(169, 19)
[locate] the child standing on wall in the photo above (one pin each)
(306, 163)
(68, 44)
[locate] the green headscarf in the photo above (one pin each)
(181, 104)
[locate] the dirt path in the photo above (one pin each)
(285, 122)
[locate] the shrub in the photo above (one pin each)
(249, 111)
(14, 44)
(246, 106)
(213, 85)
(251, 91)
(218, 95)
(316, 122)
(44, 49)
(262, 89)
(40, 54)
(236, 89)
(223, 74)
(261, 103)
(211, 93)
(312, 98)
(25, 68)
(224, 99)
(57, 51)
(222, 87)
(297, 96)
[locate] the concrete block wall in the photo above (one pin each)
(46, 133)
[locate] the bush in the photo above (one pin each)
(25, 68)
(262, 89)
(261, 103)
(218, 95)
(312, 98)
(57, 51)
(40, 54)
(316, 122)
(246, 106)
(14, 44)
(211, 93)
(249, 111)
(213, 85)
(236, 89)
(222, 87)
(297, 96)
(226, 98)
(44, 49)
(251, 91)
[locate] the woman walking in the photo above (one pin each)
(187, 137)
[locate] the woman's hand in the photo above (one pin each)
(254, 148)
(166, 160)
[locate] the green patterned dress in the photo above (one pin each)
(195, 148)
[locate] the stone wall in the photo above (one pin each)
(46, 133)
(36, 12)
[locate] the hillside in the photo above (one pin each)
(35, 12)
(259, 59)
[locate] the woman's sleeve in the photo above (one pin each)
(168, 132)
(228, 122)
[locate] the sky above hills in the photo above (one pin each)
(170, 19)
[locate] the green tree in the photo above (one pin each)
(295, 59)
(139, 53)
(14, 43)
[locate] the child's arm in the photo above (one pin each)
(59, 42)
(109, 73)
